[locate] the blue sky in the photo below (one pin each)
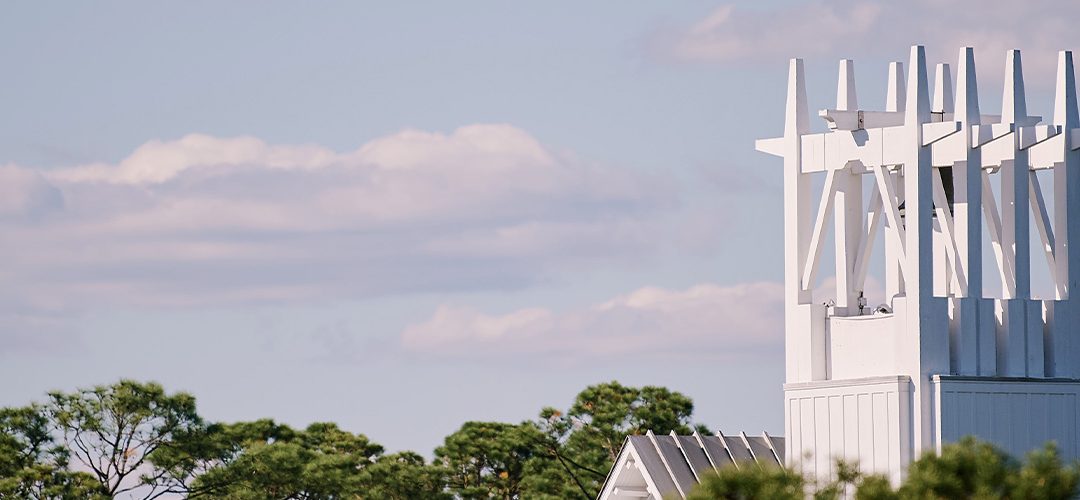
(400, 217)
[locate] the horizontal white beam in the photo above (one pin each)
(885, 146)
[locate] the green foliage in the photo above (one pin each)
(32, 464)
(750, 482)
(192, 464)
(266, 460)
(403, 476)
(138, 441)
(968, 469)
(607, 413)
(581, 444)
(875, 487)
(112, 430)
(487, 459)
(976, 470)
(1045, 476)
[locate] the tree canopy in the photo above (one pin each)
(136, 440)
(968, 469)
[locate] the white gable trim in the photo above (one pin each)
(617, 487)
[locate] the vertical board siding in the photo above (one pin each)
(836, 430)
(851, 420)
(866, 430)
(860, 422)
(881, 432)
(821, 434)
(806, 414)
(1018, 416)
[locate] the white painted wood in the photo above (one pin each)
(894, 235)
(848, 213)
(945, 222)
(848, 234)
(943, 92)
(817, 238)
(938, 319)
(887, 191)
(1045, 229)
(628, 478)
(879, 407)
(854, 354)
(1002, 253)
(1015, 232)
(896, 93)
(1034, 360)
(846, 99)
(1025, 413)
(974, 347)
(796, 186)
(1066, 174)
(1012, 341)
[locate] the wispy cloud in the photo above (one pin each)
(847, 28)
(208, 220)
(706, 320)
(729, 33)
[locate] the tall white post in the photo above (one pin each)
(848, 206)
(805, 347)
(1015, 231)
(976, 339)
(895, 101)
(1064, 342)
(926, 344)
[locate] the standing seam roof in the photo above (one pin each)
(677, 463)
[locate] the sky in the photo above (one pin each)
(400, 216)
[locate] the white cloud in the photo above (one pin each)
(159, 161)
(707, 320)
(730, 33)
(207, 220)
(25, 194)
(850, 28)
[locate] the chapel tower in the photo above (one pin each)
(960, 346)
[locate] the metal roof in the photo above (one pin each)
(669, 466)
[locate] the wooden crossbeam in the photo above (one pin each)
(817, 238)
(1045, 228)
(892, 212)
(1002, 254)
(948, 231)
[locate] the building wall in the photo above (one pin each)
(865, 420)
(1016, 414)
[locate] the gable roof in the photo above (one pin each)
(655, 467)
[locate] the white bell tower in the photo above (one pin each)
(945, 356)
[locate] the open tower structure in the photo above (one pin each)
(945, 356)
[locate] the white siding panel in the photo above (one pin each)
(948, 422)
(823, 456)
(851, 427)
(836, 431)
(1039, 428)
(1018, 415)
(892, 416)
(866, 430)
(866, 420)
(964, 416)
(794, 438)
(984, 418)
(881, 432)
(808, 432)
